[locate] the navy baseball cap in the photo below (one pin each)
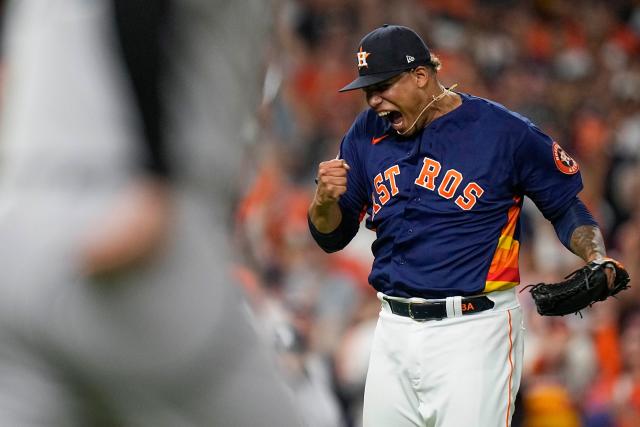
(386, 52)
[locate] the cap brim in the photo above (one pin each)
(371, 79)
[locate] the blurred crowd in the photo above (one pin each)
(571, 67)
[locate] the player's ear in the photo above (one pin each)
(422, 75)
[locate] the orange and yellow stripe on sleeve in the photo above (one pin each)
(503, 272)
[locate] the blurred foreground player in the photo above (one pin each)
(441, 176)
(116, 160)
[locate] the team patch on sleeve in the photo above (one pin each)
(564, 162)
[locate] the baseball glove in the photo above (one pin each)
(580, 289)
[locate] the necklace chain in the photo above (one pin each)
(437, 98)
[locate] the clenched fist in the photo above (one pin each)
(324, 212)
(332, 181)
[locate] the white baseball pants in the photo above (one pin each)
(456, 372)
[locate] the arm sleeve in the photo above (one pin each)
(542, 175)
(571, 217)
(338, 238)
(352, 202)
(140, 26)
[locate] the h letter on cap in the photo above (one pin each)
(362, 58)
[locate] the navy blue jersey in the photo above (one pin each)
(445, 203)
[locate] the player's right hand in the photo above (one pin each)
(332, 181)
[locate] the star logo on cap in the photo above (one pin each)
(362, 58)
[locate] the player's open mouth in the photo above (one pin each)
(394, 117)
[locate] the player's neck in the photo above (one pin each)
(445, 101)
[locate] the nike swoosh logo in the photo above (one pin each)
(375, 140)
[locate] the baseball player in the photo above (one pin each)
(133, 104)
(441, 176)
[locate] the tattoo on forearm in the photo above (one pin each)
(587, 243)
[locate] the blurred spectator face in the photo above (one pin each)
(554, 347)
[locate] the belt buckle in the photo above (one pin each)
(410, 312)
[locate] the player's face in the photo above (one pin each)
(396, 100)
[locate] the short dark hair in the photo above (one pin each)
(434, 63)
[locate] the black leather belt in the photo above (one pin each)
(437, 310)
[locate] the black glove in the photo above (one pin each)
(581, 289)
